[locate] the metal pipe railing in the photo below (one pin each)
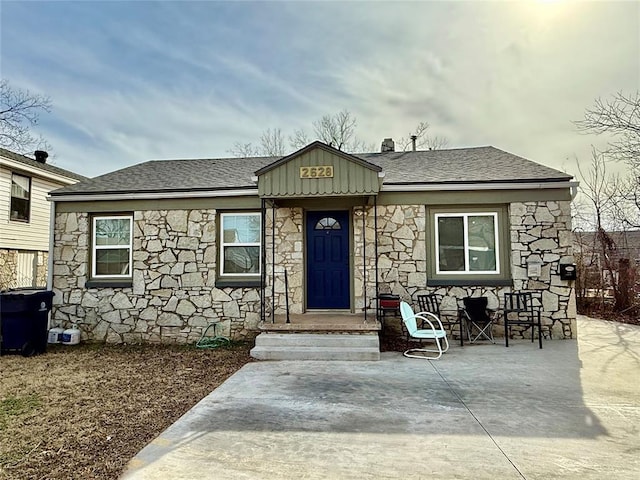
(286, 294)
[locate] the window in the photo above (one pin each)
(327, 223)
(112, 246)
(467, 243)
(20, 197)
(240, 244)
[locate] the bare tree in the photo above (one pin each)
(603, 193)
(299, 139)
(271, 145)
(19, 112)
(599, 188)
(244, 150)
(627, 203)
(620, 117)
(423, 140)
(337, 130)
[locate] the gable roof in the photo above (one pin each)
(43, 167)
(318, 170)
(434, 167)
(322, 146)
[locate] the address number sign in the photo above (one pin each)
(320, 171)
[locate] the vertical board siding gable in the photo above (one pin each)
(349, 178)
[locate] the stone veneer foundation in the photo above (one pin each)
(173, 295)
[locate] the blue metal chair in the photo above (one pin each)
(432, 329)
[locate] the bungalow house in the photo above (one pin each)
(24, 216)
(156, 251)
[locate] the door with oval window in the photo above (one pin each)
(328, 260)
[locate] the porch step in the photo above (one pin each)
(305, 346)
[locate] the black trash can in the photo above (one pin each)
(24, 317)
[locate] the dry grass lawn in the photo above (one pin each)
(82, 412)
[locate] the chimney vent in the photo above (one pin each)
(388, 145)
(413, 142)
(41, 156)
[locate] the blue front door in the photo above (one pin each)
(328, 259)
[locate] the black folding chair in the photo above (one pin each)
(479, 318)
(519, 310)
(430, 302)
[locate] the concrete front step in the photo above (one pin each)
(317, 340)
(300, 346)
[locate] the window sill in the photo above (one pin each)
(467, 282)
(106, 283)
(238, 282)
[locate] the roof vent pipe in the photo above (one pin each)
(41, 156)
(413, 142)
(388, 145)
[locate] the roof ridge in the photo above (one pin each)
(47, 167)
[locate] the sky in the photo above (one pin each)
(132, 81)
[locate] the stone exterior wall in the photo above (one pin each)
(9, 275)
(402, 264)
(288, 255)
(174, 297)
(540, 235)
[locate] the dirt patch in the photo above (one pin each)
(595, 310)
(82, 412)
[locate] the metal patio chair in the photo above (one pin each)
(479, 318)
(519, 310)
(432, 329)
(430, 302)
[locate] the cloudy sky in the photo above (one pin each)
(133, 81)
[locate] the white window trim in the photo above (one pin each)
(242, 244)
(29, 199)
(95, 247)
(465, 216)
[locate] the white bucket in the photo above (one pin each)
(71, 336)
(55, 335)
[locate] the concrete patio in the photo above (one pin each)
(571, 410)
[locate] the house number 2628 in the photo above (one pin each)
(321, 171)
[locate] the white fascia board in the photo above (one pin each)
(154, 195)
(13, 165)
(477, 186)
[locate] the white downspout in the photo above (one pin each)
(52, 224)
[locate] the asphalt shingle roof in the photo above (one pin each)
(41, 166)
(464, 165)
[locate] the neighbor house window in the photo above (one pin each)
(240, 244)
(112, 246)
(467, 243)
(20, 197)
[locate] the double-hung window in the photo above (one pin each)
(20, 198)
(240, 244)
(112, 246)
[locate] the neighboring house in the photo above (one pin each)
(24, 216)
(625, 244)
(595, 262)
(155, 251)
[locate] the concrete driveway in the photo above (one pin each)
(571, 410)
